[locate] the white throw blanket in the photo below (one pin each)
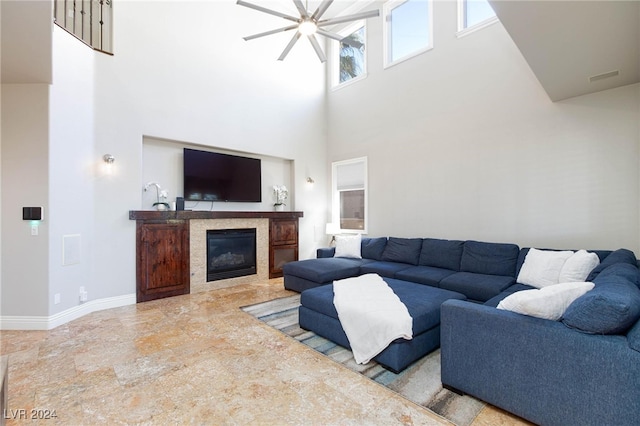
(371, 315)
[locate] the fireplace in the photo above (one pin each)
(230, 253)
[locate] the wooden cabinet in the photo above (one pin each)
(162, 266)
(283, 244)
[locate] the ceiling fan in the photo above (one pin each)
(308, 24)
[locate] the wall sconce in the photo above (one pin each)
(108, 163)
(310, 181)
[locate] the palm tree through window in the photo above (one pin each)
(352, 62)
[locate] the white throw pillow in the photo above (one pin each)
(549, 302)
(542, 267)
(348, 246)
(578, 267)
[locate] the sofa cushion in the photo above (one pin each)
(325, 252)
(348, 246)
(479, 287)
(506, 292)
(402, 250)
(424, 275)
(578, 267)
(445, 254)
(489, 258)
(384, 269)
(623, 271)
(633, 337)
(422, 302)
(549, 302)
(618, 256)
(542, 267)
(372, 248)
(325, 269)
(612, 307)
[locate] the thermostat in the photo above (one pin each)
(32, 213)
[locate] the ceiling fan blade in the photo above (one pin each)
(286, 50)
(265, 10)
(266, 33)
(349, 18)
(342, 39)
(317, 48)
(322, 8)
(301, 8)
(330, 34)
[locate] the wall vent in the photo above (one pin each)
(603, 76)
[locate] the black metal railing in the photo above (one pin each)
(91, 21)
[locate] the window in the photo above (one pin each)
(350, 62)
(474, 14)
(408, 29)
(88, 20)
(350, 195)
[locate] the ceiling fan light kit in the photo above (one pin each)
(307, 27)
(307, 24)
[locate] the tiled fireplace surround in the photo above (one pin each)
(198, 251)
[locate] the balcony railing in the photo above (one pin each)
(91, 21)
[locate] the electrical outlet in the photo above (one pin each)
(34, 230)
(56, 298)
(83, 295)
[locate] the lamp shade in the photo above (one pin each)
(332, 229)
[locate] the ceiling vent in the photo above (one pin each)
(603, 76)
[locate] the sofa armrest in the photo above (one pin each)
(538, 369)
(325, 252)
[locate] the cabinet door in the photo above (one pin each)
(279, 255)
(283, 244)
(284, 232)
(162, 259)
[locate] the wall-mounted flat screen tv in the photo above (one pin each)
(212, 176)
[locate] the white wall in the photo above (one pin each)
(1, 169)
(462, 142)
(73, 171)
(182, 72)
(25, 135)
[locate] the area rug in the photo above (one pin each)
(419, 383)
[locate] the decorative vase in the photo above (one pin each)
(279, 207)
(161, 206)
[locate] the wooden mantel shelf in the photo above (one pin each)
(204, 214)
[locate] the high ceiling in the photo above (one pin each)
(565, 42)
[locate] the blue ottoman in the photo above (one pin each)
(318, 314)
(310, 273)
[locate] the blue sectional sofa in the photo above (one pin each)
(582, 369)
(479, 270)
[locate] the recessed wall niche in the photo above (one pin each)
(162, 163)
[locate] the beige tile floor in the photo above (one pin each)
(194, 359)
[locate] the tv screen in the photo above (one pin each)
(211, 176)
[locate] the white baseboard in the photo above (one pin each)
(53, 321)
